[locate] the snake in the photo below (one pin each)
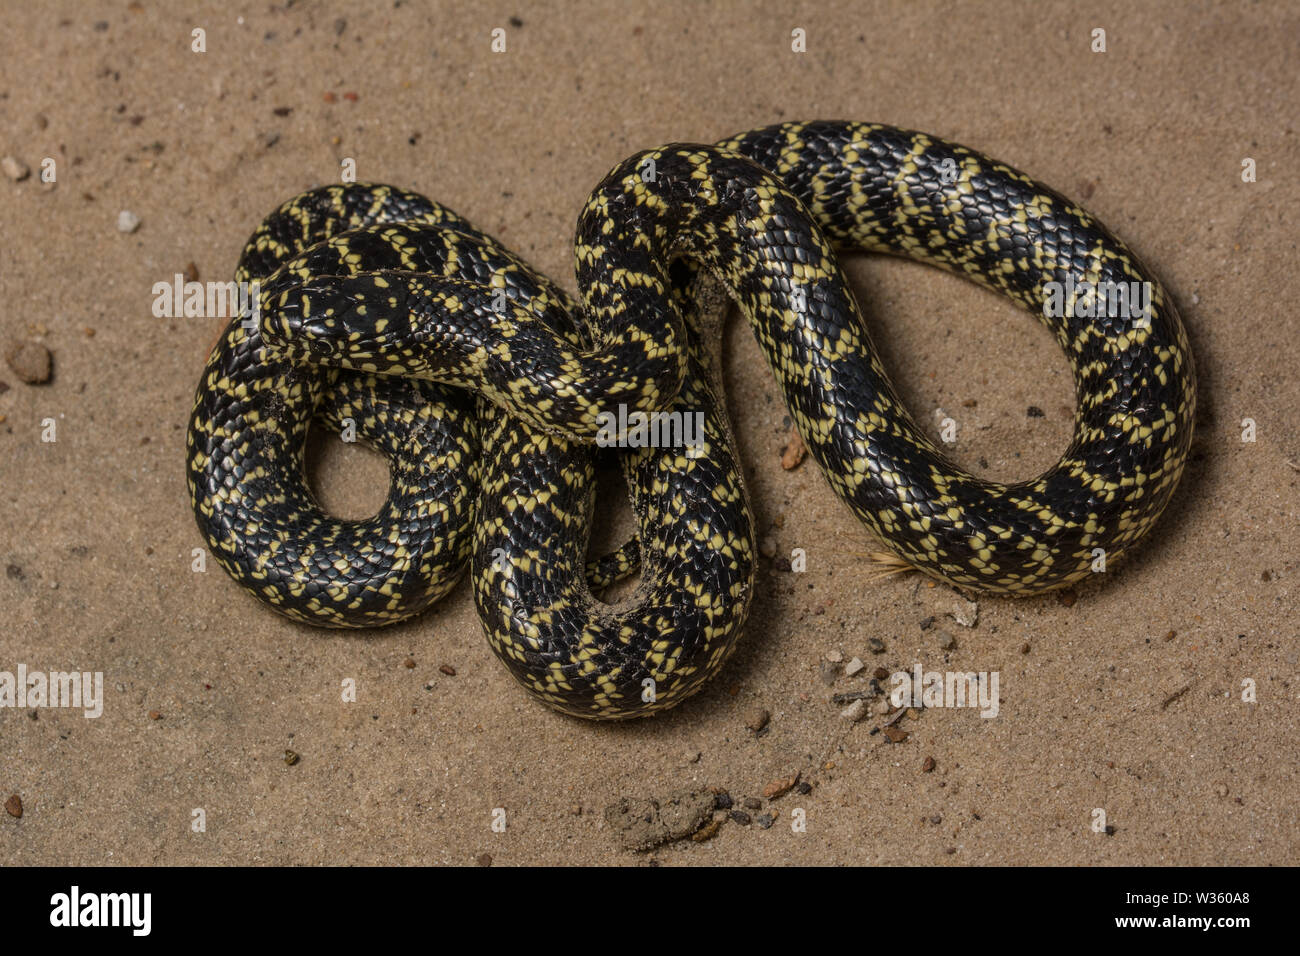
(494, 394)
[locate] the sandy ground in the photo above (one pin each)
(1126, 699)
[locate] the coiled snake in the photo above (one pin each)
(485, 384)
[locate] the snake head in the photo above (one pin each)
(349, 321)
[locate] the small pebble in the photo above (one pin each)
(795, 451)
(1067, 598)
(767, 547)
(853, 667)
(14, 806)
(757, 719)
(447, 669)
(895, 735)
(741, 817)
(409, 663)
(1033, 411)
(483, 859)
(127, 221)
(15, 168)
(753, 803)
(290, 757)
(967, 614)
(723, 801)
(881, 673)
(778, 788)
(803, 788)
(928, 765)
(855, 711)
(835, 657)
(30, 361)
(876, 645)
(1024, 648)
(946, 641)
(764, 821)
(155, 715)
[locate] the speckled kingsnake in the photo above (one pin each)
(382, 307)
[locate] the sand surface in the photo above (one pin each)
(206, 689)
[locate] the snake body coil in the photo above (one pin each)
(381, 307)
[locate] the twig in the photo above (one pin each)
(1174, 696)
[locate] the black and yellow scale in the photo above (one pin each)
(485, 385)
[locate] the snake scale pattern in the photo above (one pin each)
(485, 385)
